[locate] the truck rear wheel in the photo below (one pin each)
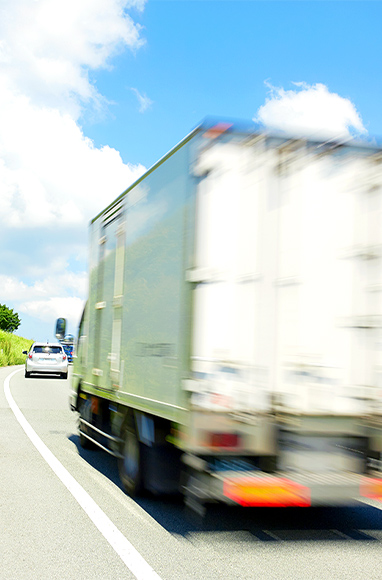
(130, 464)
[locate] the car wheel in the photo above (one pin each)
(130, 464)
(64, 375)
(27, 375)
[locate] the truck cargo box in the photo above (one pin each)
(235, 296)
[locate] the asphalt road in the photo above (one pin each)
(46, 534)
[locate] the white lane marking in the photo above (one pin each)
(126, 551)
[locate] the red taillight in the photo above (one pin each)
(224, 440)
(372, 487)
(64, 357)
(30, 355)
(266, 491)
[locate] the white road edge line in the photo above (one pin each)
(125, 550)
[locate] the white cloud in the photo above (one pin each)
(53, 179)
(138, 4)
(143, 100)
(49, 46)
(310, 110)
(48, 298)
(12, 289)
(52, 173)
(66, 284)
(55, 307)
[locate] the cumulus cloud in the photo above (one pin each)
(55, 307)
(49, 46)
(138, 4)
(310, 110)
(52, 173)
(48, 298)
(53, 179)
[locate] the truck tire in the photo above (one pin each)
(86, 414)
(130, 464)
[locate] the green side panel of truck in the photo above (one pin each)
(152, 311)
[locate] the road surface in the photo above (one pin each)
(64, 514)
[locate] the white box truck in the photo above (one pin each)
(231, 343)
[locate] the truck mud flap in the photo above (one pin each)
(161, 469)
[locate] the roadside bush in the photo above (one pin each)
(11, 349)
(3, 359)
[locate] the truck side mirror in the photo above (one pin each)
(60, 328)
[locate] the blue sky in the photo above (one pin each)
(96, 91)
(212, 57)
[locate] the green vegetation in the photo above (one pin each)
(11, 349)
(9, 320)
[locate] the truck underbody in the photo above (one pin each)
(312, 462)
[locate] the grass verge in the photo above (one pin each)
(11, 349)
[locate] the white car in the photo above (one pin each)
(46, 358)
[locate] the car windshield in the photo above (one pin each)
(48, 349)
